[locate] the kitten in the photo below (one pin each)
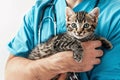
(80, 28)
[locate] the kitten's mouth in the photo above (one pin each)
(78, 36)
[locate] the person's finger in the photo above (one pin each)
(95, 44)
(99, 53)
(96, 61)
(91, 44)
(62, 76)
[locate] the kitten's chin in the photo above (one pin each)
(78, 37)
(81, 36)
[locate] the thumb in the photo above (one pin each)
(63, 76)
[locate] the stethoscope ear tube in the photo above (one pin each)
(52, 5)
(41, 24)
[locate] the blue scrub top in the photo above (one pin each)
(108, 27)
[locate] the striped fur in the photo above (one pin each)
(80, 28)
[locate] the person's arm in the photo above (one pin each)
(19, 68)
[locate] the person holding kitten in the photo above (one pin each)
(18, 67)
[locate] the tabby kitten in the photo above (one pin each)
(80, 28)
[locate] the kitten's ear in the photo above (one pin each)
(69, 12)
(95, 12)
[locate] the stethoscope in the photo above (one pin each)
(42, 19)
(52, 4)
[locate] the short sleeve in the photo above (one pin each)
(22, 43)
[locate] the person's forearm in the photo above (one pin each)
(47, 68)
(16, 69)
(19, 68)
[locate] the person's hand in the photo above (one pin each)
(90, 58)
(64, 62)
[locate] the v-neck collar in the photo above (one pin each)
(86, 5)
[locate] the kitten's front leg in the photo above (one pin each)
(77, 52)
(106, 43)
(78, 55)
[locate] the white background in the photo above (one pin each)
(11, 14)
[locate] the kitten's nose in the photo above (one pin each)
(82, 33)
(79, 32)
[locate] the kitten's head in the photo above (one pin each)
(81, 24)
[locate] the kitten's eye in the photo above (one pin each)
(86, 25)
(74, 25)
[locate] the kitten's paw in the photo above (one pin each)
(105, 43)
(77, 56)
(109, 46)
